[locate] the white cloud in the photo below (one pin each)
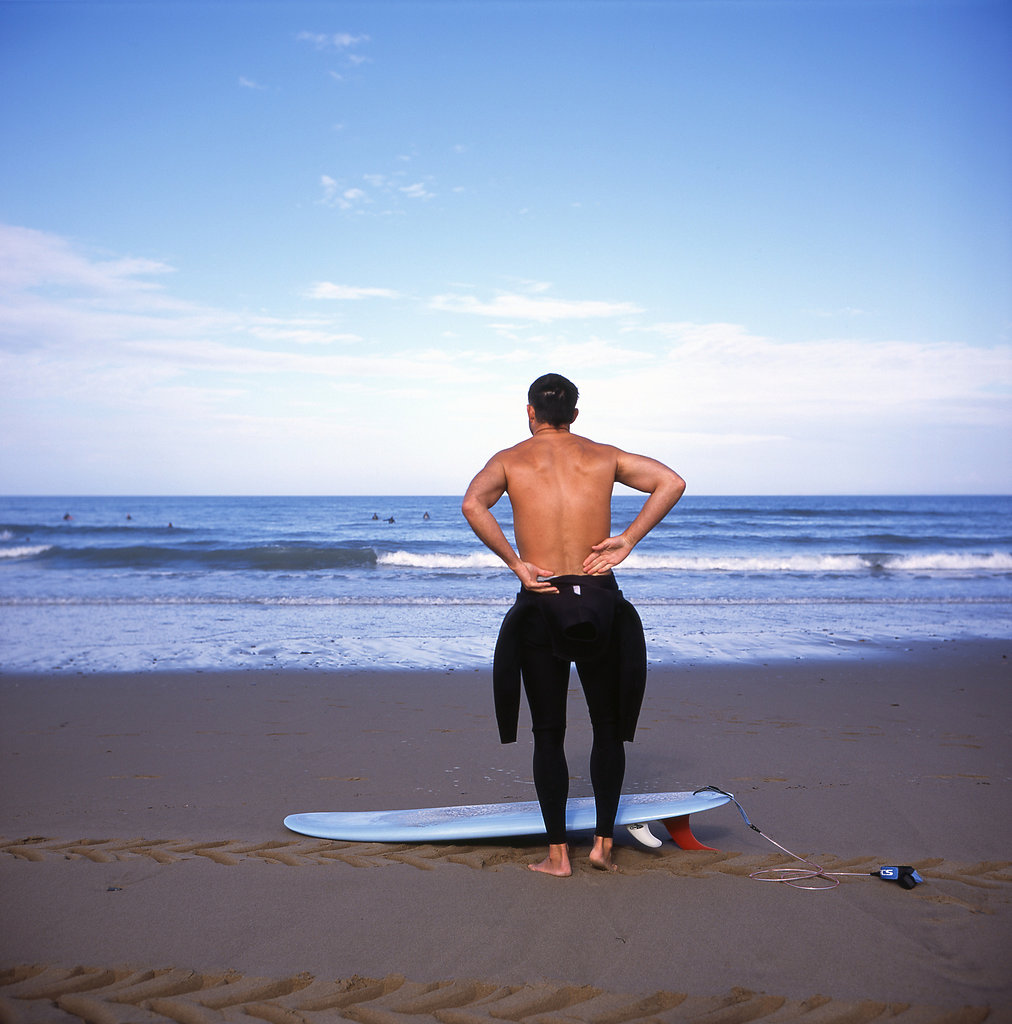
(336, 194)
(300, 331)
(327, 290)
(526, 307)
(843, 312)
(416, 191)
(98, 356)
(335, 40)
(593, 354)
(343, 197)
(723, 372)
(704, 335)
(385, 193)
(343, 44)
(248, 83)
(30, 258)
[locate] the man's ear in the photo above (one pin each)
(576, 412)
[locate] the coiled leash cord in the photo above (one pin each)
(904, 874)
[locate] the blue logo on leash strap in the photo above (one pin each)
(902, 873)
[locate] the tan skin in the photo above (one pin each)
(560, 487)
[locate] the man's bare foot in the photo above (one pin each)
(600, 856)
(556, 863)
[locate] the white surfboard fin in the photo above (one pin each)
(640, 831)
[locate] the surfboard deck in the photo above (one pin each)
(489, 821)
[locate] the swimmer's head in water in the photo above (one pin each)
(553, 399)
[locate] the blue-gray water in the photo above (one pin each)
(320, 583)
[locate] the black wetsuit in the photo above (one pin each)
(590, 623)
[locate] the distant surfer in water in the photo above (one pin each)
(569, 608)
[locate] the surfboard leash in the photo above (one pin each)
(904, 874)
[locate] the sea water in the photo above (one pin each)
(127, 584)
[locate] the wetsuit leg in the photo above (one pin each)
(607, 755)
(546, 683)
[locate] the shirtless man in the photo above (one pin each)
(560, 487)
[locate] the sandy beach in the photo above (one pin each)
(147, 875)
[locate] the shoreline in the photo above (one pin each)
(437, 637)
(409, 653)
(142, 828)
(839, 649)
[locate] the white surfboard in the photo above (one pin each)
(488, 821)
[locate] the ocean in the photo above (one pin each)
(91, 584)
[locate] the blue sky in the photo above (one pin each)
(323, 248)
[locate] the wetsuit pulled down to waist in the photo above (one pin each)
(580, 616)
(587, 621)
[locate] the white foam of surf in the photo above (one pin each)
(438, 560)
(24, 550)
(995, 561)
(674, 561)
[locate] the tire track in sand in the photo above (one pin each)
(428, 856)
(30, 994)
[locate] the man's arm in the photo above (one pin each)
(482, 493)
(664, 487)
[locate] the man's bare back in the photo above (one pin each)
(560, 487)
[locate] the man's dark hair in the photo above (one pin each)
(554, 399)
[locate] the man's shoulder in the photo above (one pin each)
(597, 450)
(530, 445)
(599, 445)
(528, 448)
(519, 450)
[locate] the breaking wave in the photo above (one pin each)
(295, 558)
(858, 562)
(23, 550)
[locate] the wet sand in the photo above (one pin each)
(147, 875)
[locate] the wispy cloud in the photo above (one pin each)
(416, 191)
(299, 331)
(381, 193)
(842, 312)
(64, 304)
(723, 371)
(344, 46)
(327, 290)
(107, 339)
(341, 196)
(331, 40)
(30, 259)
(515, 306)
